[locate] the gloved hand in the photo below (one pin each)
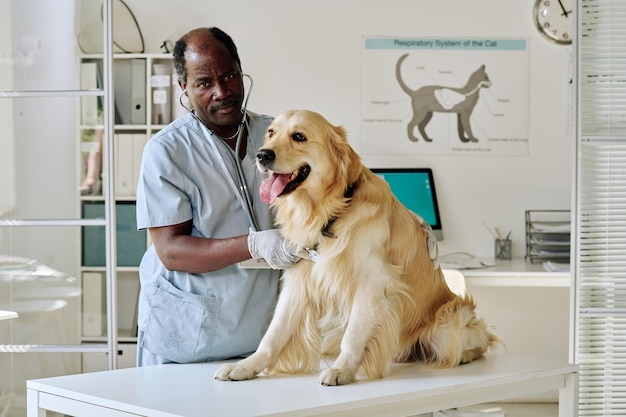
(269, 245)
(431, 240)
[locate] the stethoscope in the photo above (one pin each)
(241, 191)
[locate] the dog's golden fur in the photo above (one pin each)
(373, 295)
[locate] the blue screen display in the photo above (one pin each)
(415, 189)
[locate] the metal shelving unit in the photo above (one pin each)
(38, 213)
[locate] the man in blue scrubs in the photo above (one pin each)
(195, 303)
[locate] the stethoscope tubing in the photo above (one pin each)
(242, 179)
(242, 192)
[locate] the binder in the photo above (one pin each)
(160, 81)
(138, 92)
(124, 164)
(139, 142)
(122, 90)
(130, 91)
(130, 242)
(127, 162)
(89, 105)
(94, 322)
(93, 249)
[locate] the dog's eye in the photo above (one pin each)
(298, 137)
(270, 133)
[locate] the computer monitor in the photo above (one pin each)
(415, 188)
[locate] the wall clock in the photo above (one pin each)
(555, 20)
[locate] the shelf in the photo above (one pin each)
(102, 268)
(122, 337)
(51, 93)
(144, 102)
(53, 222)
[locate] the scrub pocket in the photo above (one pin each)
(181, 326)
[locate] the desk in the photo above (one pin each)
(190, 391)
(516, 273)
(528, 306)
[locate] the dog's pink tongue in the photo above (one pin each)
(273, 186)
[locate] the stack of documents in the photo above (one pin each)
(548, 235)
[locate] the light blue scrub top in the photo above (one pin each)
(185, 317)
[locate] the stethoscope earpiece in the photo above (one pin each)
(180, 100)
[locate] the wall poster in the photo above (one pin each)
(432, 96)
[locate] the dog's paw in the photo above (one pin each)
(334, 376)
(234, 372)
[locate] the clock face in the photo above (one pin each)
(555, 20)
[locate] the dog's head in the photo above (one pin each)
(304, 153)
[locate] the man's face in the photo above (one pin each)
(214, 84)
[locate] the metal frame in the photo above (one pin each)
(108, 192)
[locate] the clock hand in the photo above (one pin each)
(565, 12)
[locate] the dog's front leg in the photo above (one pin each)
(359, 331)
(288, 313)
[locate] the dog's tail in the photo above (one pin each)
(456, 336)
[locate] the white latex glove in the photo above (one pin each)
(269, 245)
(431, 240)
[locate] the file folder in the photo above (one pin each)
(138, 92)
(130, 91)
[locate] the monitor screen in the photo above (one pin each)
(415, 188)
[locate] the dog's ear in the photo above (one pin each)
(355, 167)
(347, 160)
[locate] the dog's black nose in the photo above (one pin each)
(265, 156)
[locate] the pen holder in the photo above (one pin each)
(503, 249)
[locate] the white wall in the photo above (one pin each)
(307, 55)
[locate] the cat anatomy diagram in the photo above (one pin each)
(444, 97)
(433, 98)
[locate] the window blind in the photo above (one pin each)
(600, 209)
(603, 67)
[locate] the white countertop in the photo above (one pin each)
(516, 273)
(190, 390)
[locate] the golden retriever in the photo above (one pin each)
(369, 295)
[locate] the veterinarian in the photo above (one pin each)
(196, 304)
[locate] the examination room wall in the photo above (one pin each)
(308, 54)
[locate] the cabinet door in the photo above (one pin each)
(46, 107)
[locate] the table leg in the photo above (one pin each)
(568, 396)
(32, 404)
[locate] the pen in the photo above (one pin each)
(489, 230)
